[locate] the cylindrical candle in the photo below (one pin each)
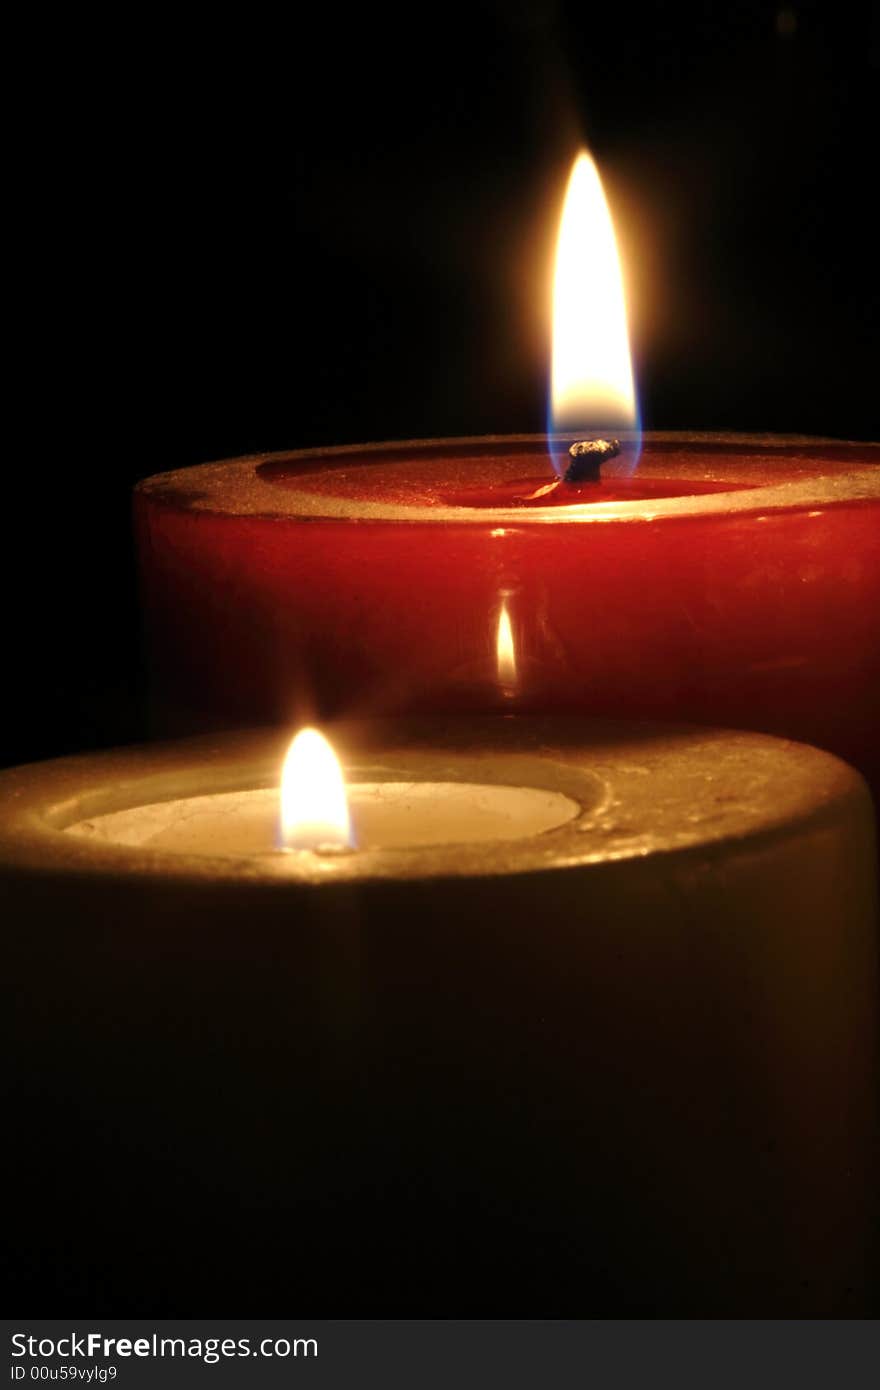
(585, 1027)
(732, 580)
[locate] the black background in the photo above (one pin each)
(334, 225)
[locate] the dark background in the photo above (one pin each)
(337, 225)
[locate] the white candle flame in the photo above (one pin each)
(592, 381)
(314, 805)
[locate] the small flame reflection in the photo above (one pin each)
(505, 652)
(314, 805)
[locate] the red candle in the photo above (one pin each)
(730, 580)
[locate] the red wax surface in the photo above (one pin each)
(727, 581)
(537, 492)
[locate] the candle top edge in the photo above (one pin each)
(425, 481)
(663, 790)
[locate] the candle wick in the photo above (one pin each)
(587, 457)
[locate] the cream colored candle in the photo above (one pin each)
(591, 1011)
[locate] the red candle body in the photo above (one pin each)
(728, 580)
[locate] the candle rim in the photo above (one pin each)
(235, 487)
(39, 800)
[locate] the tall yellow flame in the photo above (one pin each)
(314, 806)
(592, 380)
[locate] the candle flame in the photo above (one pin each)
(314, 806)
(505, 651)
(592, 387)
